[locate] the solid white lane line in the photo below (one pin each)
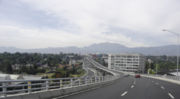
(162, 87)
(123, 94)
(132, 86)
(170, 95)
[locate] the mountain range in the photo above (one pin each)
(99, 48)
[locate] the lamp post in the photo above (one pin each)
(178, 36)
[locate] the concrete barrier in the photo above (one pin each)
(162, 78)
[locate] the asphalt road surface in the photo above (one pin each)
(133, 88)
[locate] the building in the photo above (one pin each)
(72, 62)
(105, 58)
(126, 62)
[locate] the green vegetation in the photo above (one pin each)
(163, 64)
(35, 63)
(151, 71)
(68, 71)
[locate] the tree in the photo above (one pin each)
(8, 67)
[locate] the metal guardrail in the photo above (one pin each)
(14, 87)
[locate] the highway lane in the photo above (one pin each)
(88, 67)
(133, 88)
(173, 89)
(101, 67)
(106, 92)
(145, 89)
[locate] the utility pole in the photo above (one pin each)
(178, 37)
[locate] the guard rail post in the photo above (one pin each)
(61, 83)
(71, 81)
(29, 87)
(79, 82)
(47, 85)
(4, 89)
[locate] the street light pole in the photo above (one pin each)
(178, 37)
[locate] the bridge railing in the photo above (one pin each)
(12, 87)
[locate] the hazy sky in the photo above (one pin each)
(59, 23)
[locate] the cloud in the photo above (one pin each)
(34, 38)
(83, 22)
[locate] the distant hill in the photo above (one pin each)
(100, 48)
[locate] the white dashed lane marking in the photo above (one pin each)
(132, 86)
(170, 95)
(162, 87)
(123, 94)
